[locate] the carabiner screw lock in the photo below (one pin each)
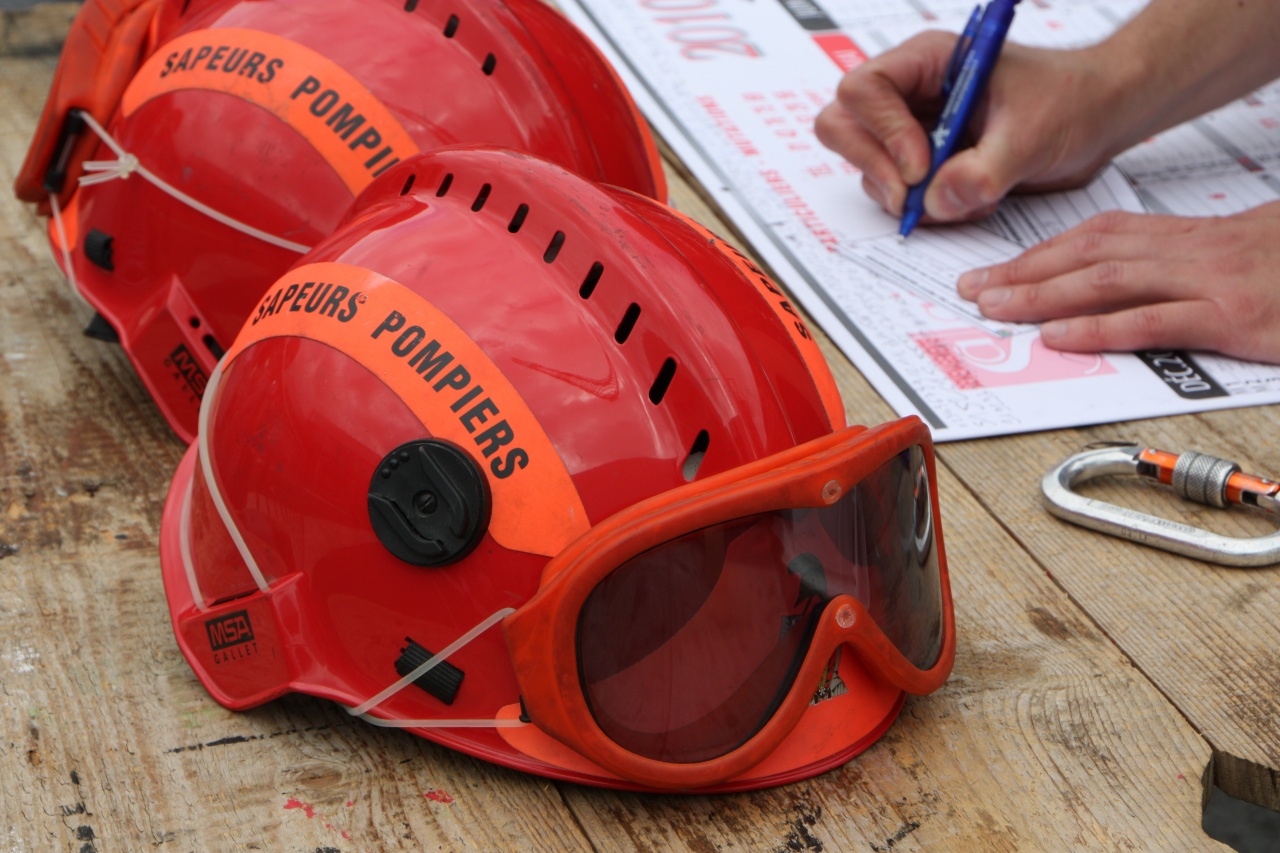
(1194, 476)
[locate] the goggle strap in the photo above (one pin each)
(211, 482)
(413, 674)
(128, 164)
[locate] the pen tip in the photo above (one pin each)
(902, 238)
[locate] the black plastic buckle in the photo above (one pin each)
(56, 176)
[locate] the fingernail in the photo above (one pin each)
(900, 160)
(1052, 331)
(971, 282)
(993, 298)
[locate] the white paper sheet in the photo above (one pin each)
(734, 87)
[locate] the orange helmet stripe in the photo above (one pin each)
(444, 378)
(354, 131)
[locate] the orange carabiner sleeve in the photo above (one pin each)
(104, 47)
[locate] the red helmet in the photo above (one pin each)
(245, 129)
(500, 393)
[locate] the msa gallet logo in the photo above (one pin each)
(231, 637)
(187, 370)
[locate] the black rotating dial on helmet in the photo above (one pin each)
(428, 503)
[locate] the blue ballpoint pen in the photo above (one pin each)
(961, 51)
(977, 59)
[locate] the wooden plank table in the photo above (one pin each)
(1099, 686)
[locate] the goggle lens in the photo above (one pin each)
(687, 650)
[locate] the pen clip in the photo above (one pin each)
(963, 41)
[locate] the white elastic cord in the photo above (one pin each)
(62, 244)
(206, 465)
(184, 545)
(361, 709)
(127, 164)
(202, 440)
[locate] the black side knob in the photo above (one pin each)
(429, 503)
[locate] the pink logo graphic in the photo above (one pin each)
(974, 358)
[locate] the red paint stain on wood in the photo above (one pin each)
(298, 804)
(293, 803)
(439, 796)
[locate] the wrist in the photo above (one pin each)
(1128, 95)
(1178, 59)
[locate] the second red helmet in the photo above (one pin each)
(191, 150)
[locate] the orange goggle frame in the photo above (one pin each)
(543, 636)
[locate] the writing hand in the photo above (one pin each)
(1123, 281)
(1025, 138)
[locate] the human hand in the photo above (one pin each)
(1025, 137)
(1124, 281)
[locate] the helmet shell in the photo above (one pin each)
(621, 349)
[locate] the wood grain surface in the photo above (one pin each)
(1094, 682)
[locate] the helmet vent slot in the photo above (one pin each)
(489, 62)
(697, 453)
(593, 278)
(553, 248)
(410, 5)
(662, 381)
(444, 185)
(408, 185)
(451, 26)
(628, 323)
(518, 219)
(481, 197)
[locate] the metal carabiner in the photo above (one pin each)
(1195, 476)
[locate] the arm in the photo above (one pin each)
(1130, 282)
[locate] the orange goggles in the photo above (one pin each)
(679, 642)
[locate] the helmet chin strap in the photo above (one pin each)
(126, 164)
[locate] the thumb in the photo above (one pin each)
(972, 182)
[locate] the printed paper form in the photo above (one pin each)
(734, 86)
(928, 265)
(1216, 165)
